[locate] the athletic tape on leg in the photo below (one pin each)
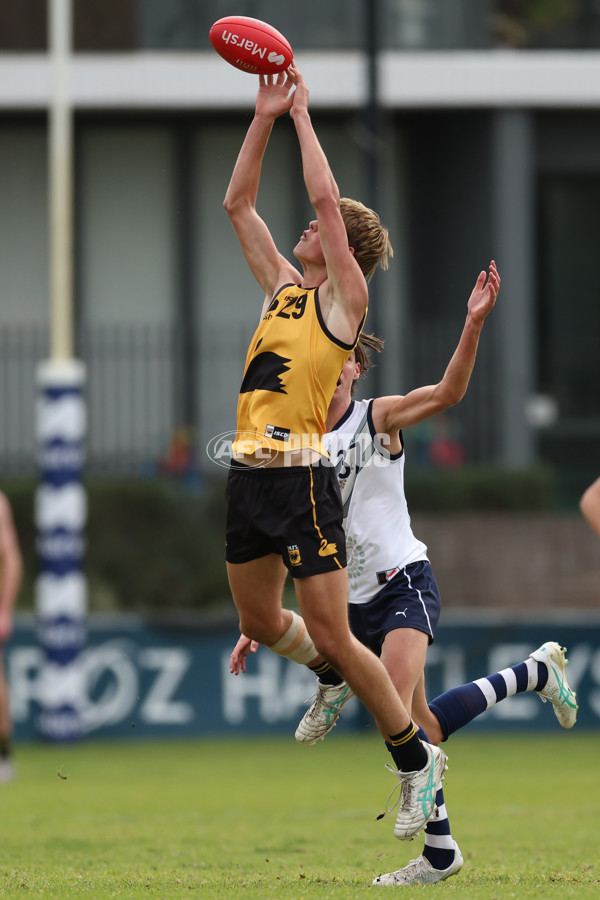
(296, 644)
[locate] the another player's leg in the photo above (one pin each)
(403, 653)
(7, 772)
(323, 601)
(543, 672)
(441, 855)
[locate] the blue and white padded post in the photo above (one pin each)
(61, 514)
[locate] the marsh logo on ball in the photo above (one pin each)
(251, 45)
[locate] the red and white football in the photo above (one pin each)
(251, 45)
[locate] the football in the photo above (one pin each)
(251, 45)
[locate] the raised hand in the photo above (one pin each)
(274, 95)
(300, 95)
(483, 296)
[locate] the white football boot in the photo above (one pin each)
(323, 713)
(417, 796)
(557, 689)
(420, 871)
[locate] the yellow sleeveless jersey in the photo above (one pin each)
(292, 368)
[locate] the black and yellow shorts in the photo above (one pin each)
(294, 511)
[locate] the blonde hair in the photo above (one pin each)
(366, 235)
(367, 343)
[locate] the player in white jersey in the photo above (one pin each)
(393, 599)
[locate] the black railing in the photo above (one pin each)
(21, 349)
(131, 399)
(136, 407)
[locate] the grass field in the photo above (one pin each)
(259, 819)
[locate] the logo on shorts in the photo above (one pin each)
(327, 549)
(294, 554)
(401, 612)
(277, 433)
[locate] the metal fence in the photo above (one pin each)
(131, 396)
(465, 433)
(138, 381)
(21, 348)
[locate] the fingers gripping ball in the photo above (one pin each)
(251, 45)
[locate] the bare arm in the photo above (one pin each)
(590, 506)
(390, 414)
(344, 294)
(256, 241)
(11, 568)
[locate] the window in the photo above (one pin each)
(569, 315)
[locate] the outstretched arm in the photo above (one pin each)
(256, 241)
(590, 506)
(390, 414)
(11, 568)
(344, 295)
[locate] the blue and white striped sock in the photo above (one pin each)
(459, 706)
(439, 843)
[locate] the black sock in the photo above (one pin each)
(407, 750)
(4, 748)
(326, 674)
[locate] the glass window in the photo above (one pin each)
(105, 25)
(312, 24)
(127, 273)
(23, 225)
(24, 305)
(569, 314)
(546, 24)
(22, 25)
(97, 25)
(120, 25)
(569, 324)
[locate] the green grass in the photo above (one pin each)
(259, 819)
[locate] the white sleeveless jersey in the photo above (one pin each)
(379, 537)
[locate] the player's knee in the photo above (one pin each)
(333, 649)
(295, 643)
(265, 632)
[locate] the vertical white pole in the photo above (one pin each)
(60, 507)
(60, 179)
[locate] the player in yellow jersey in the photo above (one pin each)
(284, 505)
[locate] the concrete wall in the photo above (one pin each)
(513, 562)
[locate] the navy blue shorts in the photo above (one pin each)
(410, 600)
